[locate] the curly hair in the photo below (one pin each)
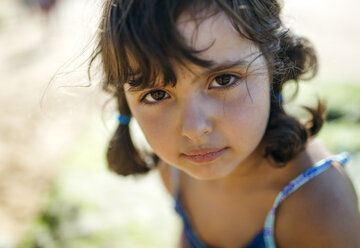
(145, 31)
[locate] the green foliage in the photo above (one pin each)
(61, 223)
(89, 207)
(341, 135)
(342, 100)
(342, 130)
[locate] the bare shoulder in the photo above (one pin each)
(322, 213)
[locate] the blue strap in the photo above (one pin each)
(179, 208)
(317, 169)
(190, 234)
(258, 241)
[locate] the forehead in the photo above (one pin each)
(216, 38)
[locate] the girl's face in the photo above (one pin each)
(211, 123)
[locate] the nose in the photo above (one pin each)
(196, 121)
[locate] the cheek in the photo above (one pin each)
(152, 127)
(246, 120)
(158, 131)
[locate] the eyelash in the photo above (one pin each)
(142, 99)
(237, 79)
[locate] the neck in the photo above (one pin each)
(249, 173)
(258, 172)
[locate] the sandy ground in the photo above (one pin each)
(34, 138)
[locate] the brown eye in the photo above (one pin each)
(158, 94)
(223, 79)
(155, 96)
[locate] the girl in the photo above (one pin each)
(203, 79)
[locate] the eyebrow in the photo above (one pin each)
(222, 66)
(227, 65)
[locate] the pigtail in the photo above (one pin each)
(317, 119)
(286, 136)
(122, 156)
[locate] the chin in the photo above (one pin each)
(207, 172)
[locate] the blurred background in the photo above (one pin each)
(55, 190)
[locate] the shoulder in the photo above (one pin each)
(322, 213)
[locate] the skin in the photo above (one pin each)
(232, 194)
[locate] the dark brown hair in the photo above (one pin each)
(144, 31)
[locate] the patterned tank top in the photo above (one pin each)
(265, 238)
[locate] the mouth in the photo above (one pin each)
(204, 155)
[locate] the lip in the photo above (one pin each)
(204, 155)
